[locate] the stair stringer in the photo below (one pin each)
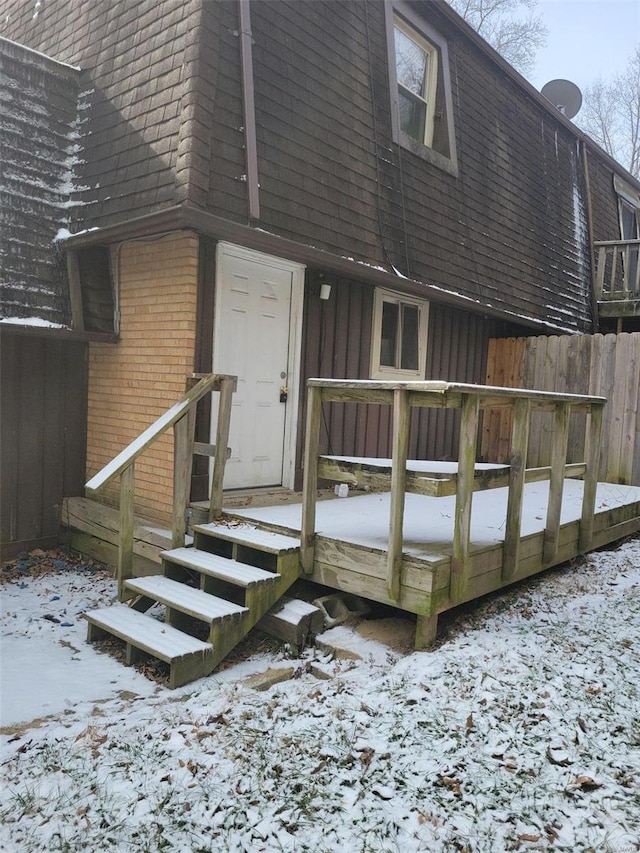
(259, 599)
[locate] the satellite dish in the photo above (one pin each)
(564, 95)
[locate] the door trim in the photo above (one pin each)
(294, 361)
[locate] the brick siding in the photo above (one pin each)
(134, 381)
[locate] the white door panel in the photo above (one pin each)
(256, 337)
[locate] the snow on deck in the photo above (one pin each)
(363, 519)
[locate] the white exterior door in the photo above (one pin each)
(257, 329)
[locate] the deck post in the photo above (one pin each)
(591, 476)
(519, 447)
(310, 480)
(227, 387)
(125, 540)
(426, 631)
(556, 481)
(462, 521)
(183, 434)
(398, 485)
(602, 262)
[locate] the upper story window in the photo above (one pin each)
(399, 339)
(417, 74)
(420, 86)
(628, 209)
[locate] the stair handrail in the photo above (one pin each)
(180, 416)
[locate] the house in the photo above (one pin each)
(292, 189)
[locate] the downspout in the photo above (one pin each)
(592, 254)
(248, 103)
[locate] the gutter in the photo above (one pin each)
(248, 105)
(186, 217)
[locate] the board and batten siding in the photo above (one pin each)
(603, 365)
(43, 429)
(133, 382)
(337, 344)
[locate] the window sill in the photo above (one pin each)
(392, 375)
(429, 155)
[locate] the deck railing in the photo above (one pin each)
(181, 417)
(618, 270)
(471, 399)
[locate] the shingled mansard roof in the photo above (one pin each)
(40, 117)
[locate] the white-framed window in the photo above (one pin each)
(420, 86)
(399, 336)
(417, 77)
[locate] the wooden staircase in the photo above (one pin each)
(228, 581)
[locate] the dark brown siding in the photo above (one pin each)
(606, 221)
(43, 428)
(509, 230)
(221, 96)
(37, 117)
(133, 58)
(337, 345)
(164, 124)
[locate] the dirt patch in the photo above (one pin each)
(37, 563)
(394, 632)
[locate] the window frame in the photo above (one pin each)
(380, 371)
(627, 196)
(400, 10)
(429, 100)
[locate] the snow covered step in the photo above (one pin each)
(222, 568)
(253, 537)
(184, 598)
(187, 657)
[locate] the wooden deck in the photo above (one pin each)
(426, 536)
(352, 539)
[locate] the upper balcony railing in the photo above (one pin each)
(618, 278)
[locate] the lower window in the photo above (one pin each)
(399, 340)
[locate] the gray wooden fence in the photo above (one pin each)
(604, 365)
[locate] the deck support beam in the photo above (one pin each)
(227, 387)
(426, 631)
(519, 447)
(594, 438)
(398, 481)
(466, 472)
(556, 483)
(125, 542)
(310, 482)
(183, 434)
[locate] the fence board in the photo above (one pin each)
(604, 365)
(505, 360)
(630, 408)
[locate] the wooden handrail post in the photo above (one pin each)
(467, 449)
(125, 540)
(602, 263)
(519, 447)
(398, 485)
(183, 434)
(614, 269)
(227, 387)
(556, 481)
(310, 481)
(591, 476)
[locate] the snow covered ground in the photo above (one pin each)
(520, 731)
